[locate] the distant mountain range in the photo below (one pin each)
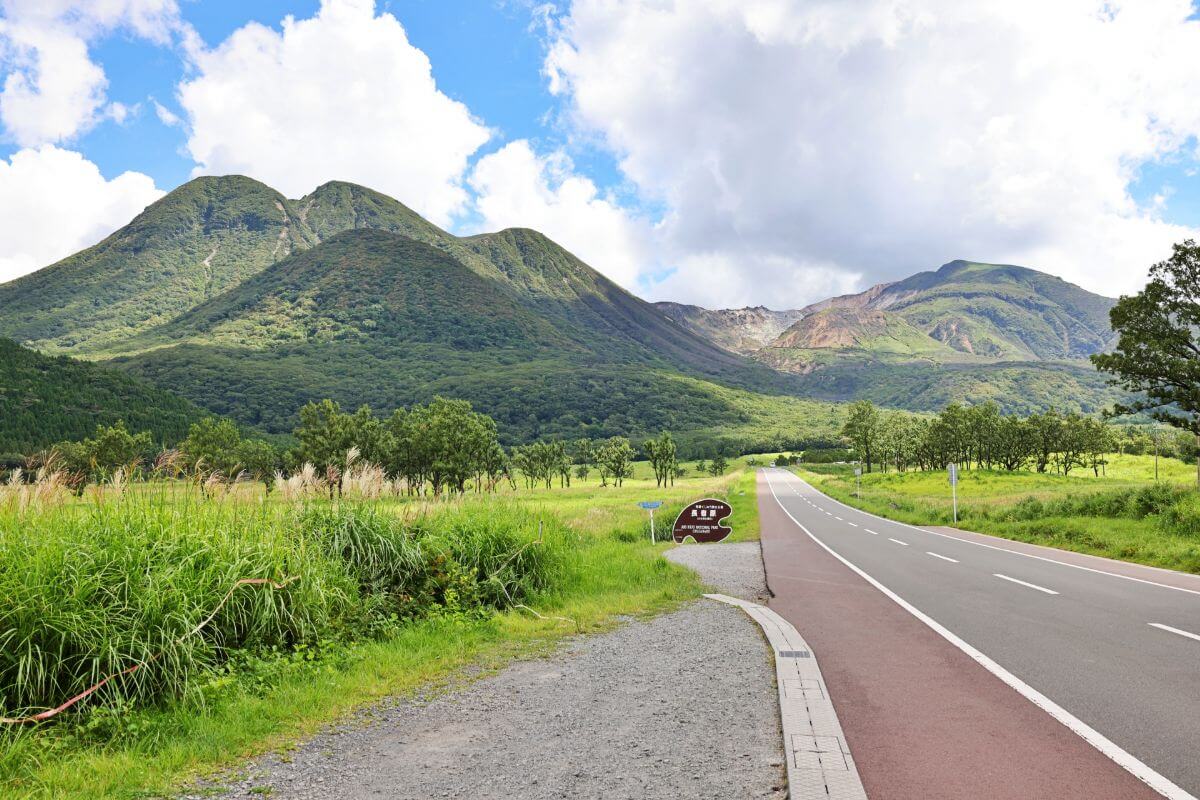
(968, 332)
(249, 304)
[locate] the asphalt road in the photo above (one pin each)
(1115, 647)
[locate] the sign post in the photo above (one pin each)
(702, 521)
(954, 489)
(858, 482)
(650, 505)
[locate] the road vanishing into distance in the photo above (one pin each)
(965, 666)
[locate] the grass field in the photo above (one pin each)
(1123, 514)
(266, 697)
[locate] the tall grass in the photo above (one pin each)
(91, 590)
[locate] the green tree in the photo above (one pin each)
(615, 459)
(214, 445)
(260, 461)
(326, 436)
(718, 465)
(862, 429)
(661, 454)
(1158, 344)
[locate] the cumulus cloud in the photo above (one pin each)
(54, 202)
(801, 145)
(52, 90)
(515, 187)
(342, 95)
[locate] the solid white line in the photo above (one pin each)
(897, 541)
(1089, 734)
(1003, 549)
(1023, 583)
(1162, 627)
(942, 557)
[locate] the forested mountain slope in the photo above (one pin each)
(46, 399)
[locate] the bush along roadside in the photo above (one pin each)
(91, 592)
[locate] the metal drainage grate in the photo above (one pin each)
(794, 654)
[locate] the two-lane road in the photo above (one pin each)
(965, 669)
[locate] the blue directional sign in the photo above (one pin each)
(650, 504)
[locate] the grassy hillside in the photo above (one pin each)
(1018, 387)
(369, 317)
(189, 246)
(44, 400)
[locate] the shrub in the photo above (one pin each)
(91, 591)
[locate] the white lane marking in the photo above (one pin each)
(1089, 734)
(897, 541)
(852, 524)
(942, 557)
(1024, 583)
(839, 519)
(1005, 549)
(1162, 627)
(873, 533)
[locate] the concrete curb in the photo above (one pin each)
(819, 764)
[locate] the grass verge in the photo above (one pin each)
(1124, 516)
(241, 703)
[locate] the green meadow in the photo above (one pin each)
(381, 598)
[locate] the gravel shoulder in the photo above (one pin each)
(681, 705)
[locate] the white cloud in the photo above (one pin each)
(52, 90)
(800, 145)
(54, 202)
(342, 95)
(165, 115)
(516, 188)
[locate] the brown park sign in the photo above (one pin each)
(702, 521)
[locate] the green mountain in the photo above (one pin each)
(992, 311)
(192, 244)
(967, 332)
(45, 399)
(349, 294)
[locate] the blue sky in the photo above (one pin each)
(726, 153)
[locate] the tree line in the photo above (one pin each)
(440, 447)
(978, 436)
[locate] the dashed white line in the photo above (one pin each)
(942, 557)
(1168, 628)
(1089, 734)
(1023, 583)
(897, 541)
(839, 519)
(1011, 552)
(852, 524)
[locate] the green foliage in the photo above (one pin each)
(862, 429)
(91, 590)
(45, 400)
(98, 457)
(661, 454)
(1158, 349)
(614, 458)
(217, 446)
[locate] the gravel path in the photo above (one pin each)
(682, 705)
